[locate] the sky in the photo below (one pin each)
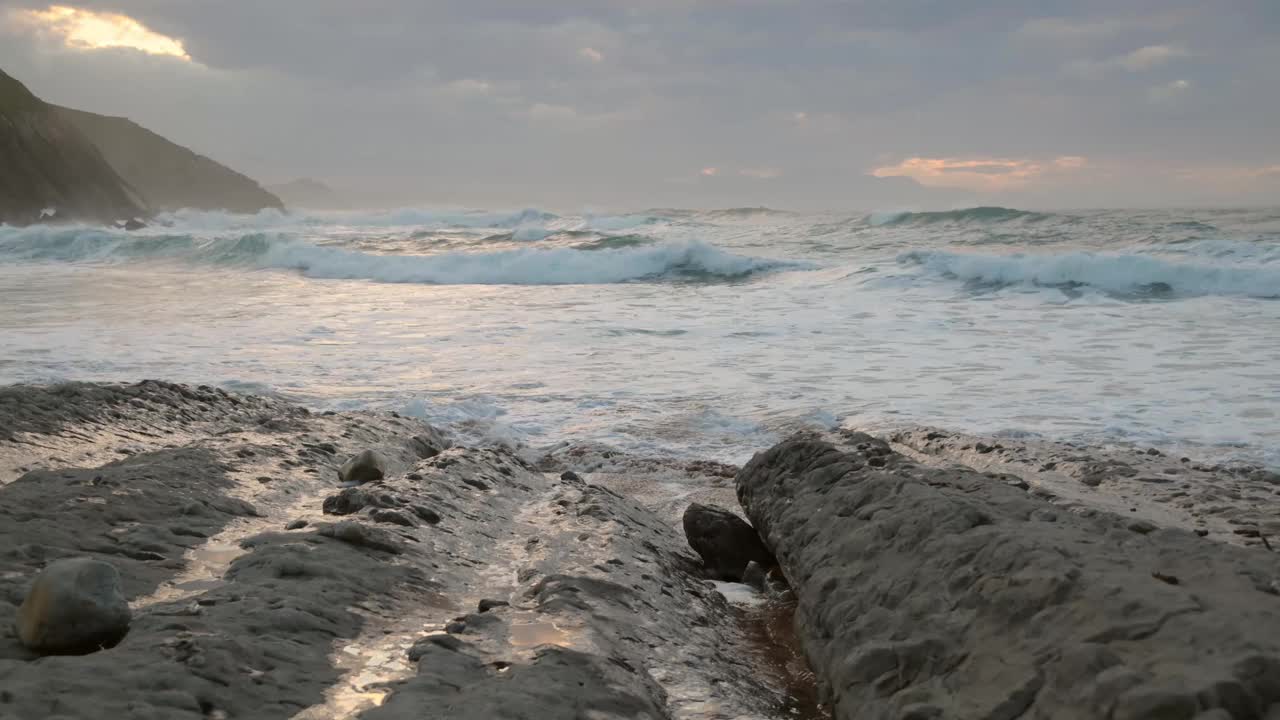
(594, 104)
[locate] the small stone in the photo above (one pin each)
(426, 514)
(455, 627)
(75, 606)
(570, 476)
(347, 502)
(366, 467)
(488, 604)
(421, 647)
(1202, 532)
(264, 479)
(296, 525)
(1142, 527)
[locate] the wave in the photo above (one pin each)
(1130, 275)
(686, 261)
(983, 214)
(606, 260)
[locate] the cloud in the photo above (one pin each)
(1149, 57)
(88, 30)
(977, 174)
(1168, 91)
(1087, 30)
(1140, 60)
(709, 171)
(761, 173)
(504, 102)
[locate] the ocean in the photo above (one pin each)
(700, 334)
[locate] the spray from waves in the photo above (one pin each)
(973, 215)
(683, 261)
(1130, 275)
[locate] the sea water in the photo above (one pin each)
(706, 334)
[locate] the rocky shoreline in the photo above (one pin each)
(464, 583)
(282, 563)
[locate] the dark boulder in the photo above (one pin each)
(74, 607)
(725, 541)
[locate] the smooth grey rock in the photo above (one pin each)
(366, 467)
(725, 541)
(296, 525)
(75, 606)
(921, 587)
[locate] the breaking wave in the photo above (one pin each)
(983, 214)
(683, 261)
(605, 260)
(1140, 275)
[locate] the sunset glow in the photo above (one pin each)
(88, 30)
(982, 174)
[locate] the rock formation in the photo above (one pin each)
(48, 166)
(166, 175)
(946, 593)
(724, 541)
(464, 584)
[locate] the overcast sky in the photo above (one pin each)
(855, 104)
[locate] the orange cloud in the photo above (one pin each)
(89, 30)
(981, 174)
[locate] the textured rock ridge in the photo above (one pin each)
(460, 584)
(945, 593)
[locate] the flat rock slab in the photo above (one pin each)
(370, 605)
(946, 593)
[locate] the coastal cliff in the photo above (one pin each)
(167, 175)
(47, 164)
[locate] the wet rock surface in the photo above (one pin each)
(944, 592)
(369, 604)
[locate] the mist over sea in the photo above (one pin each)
(703, 334)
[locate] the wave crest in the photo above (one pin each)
(613, 259)
(983, 214)
(687, 262)
(1140, 275)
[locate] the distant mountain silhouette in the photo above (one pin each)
(167, 175)
(308, 193)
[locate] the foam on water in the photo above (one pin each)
(706, 334)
